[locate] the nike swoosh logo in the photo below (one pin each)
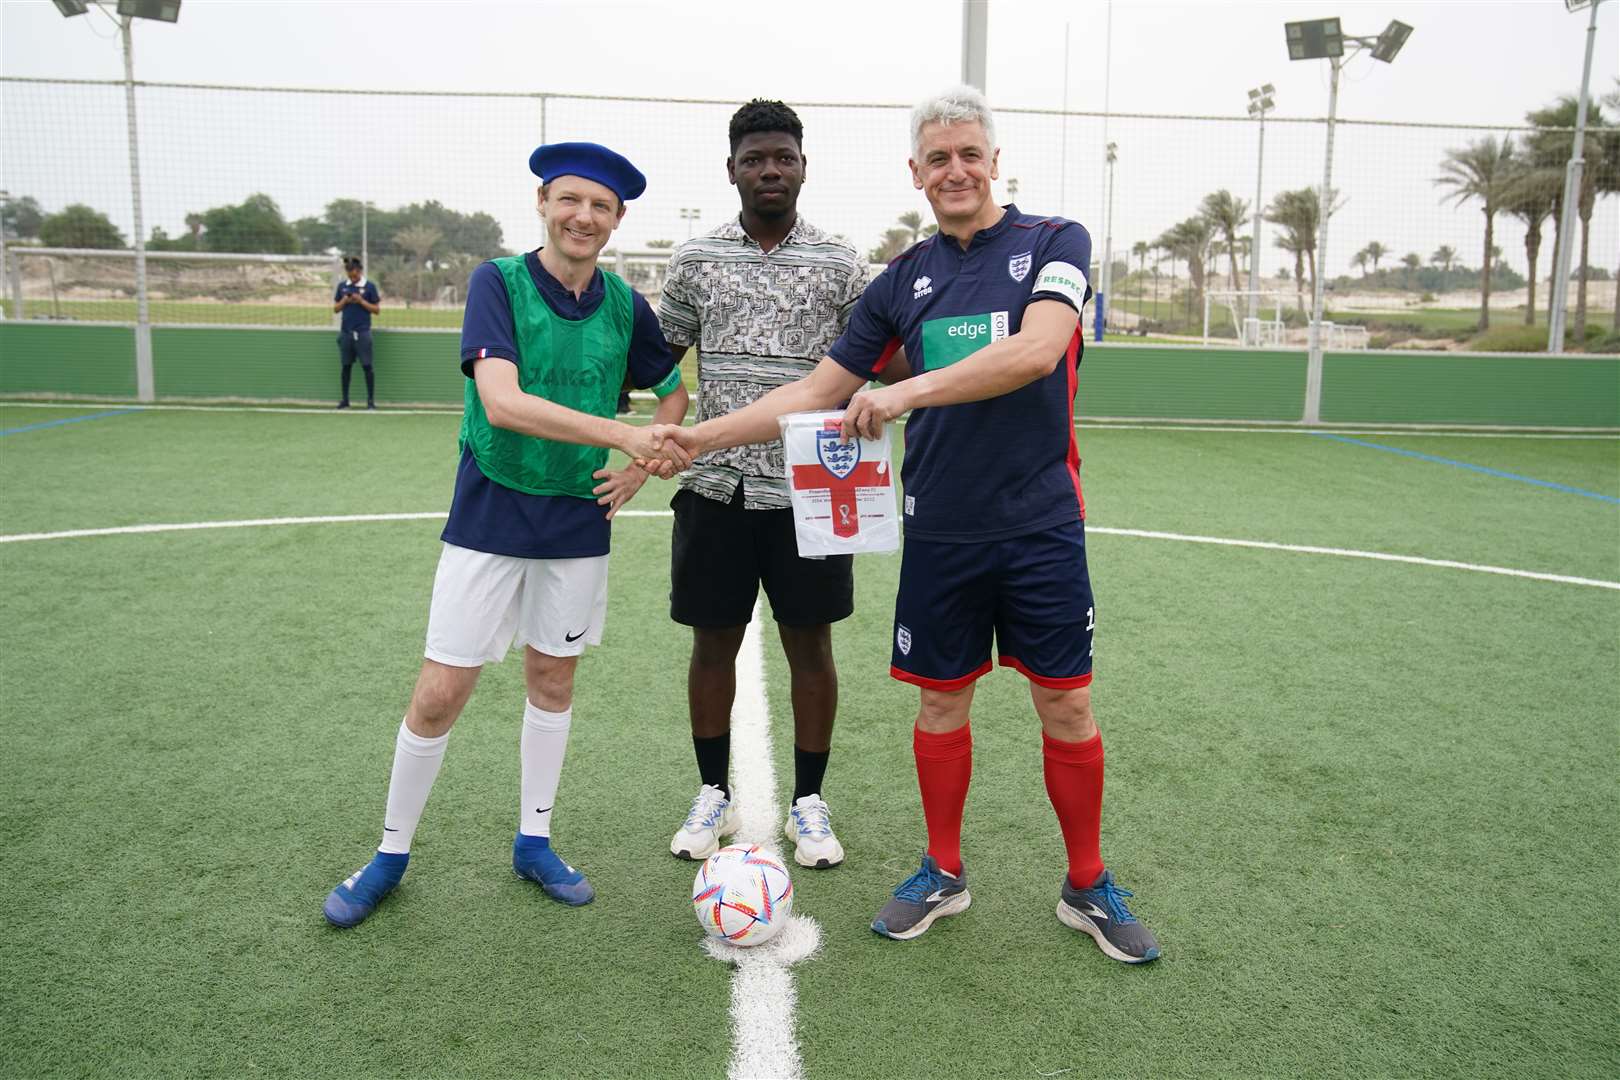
(387, 829)
(575, 637)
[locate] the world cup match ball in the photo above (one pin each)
(742, 894)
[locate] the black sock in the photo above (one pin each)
(713, 758)
(348, 369)
(809, 768)
(371, 386)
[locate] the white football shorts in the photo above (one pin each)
(485, 604)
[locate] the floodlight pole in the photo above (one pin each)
(975, 34)
(1254, 247)
(145, 387)
(1572, 195)
(1313, 364)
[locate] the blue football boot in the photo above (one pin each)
(532, 858)
(358, 895)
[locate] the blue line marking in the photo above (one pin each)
(69, 420)
(1471, 467)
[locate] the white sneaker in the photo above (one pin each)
(811, 832)
(712, 816)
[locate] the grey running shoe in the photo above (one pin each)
(712, 817)
(1100, 911)
(927, 895)
(809, 826)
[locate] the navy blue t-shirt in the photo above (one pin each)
(354, 316)
(1007, 466)
(487, 516)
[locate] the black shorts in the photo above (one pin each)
(721, 552)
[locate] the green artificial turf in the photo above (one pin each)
(1369, 808)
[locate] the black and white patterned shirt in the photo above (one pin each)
(759, 320)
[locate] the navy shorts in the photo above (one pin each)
(355, 345)
(1031, 593)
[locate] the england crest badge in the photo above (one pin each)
(1018, 265)
(902, 638)
(837, 458)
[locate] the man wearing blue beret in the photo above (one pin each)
(547, 342)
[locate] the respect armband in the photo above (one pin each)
(669, 383)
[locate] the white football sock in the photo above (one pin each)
(416, 764)
(545, 739)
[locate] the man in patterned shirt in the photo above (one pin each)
(762, 297)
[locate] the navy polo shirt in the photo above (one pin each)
(487, 516)
(1007, 466)
(356, 318)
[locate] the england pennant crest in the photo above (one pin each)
(838, 458)
(842, 493)
(1018, 265)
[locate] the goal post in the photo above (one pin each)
(1264, 330)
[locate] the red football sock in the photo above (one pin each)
(1074, 783)
(944, 767)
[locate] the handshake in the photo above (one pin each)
(662, 450)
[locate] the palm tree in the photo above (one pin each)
(1551, 149)
(194, 222)
(1191, 239)
(1444, 256)
(1376, 251)
(419, 240)
(1227, 214)
(1290, 242)
(1612, 101)
(913, 220)
(1140, 250)
(1299, 213)
(1360, 260)
(1532, 201)
(1411, 260)
(1486, 170)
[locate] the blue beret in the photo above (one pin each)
(593, 162)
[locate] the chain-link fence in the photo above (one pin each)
(428, 184)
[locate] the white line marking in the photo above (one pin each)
(753, 774)
(763, 1043)
(1381, 556)
(1090, 423)
(189, 526)
(1147, 534)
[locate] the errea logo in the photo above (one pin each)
(922, 287)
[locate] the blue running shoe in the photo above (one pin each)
(1101, 912)
(927, 895)
(358, 895)
(532, 858)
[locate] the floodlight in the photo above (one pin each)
(1314, 40)
(1268, 89)
(161, 10)
(1572, 5)
(70, 8)
(1390, 41)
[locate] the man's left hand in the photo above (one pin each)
(869, 410)
(617, 487)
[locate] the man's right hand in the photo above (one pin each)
(656, 449)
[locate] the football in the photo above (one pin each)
(742, 894)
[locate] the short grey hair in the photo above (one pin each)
(959, 104)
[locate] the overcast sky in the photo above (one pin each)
(1468, 61)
